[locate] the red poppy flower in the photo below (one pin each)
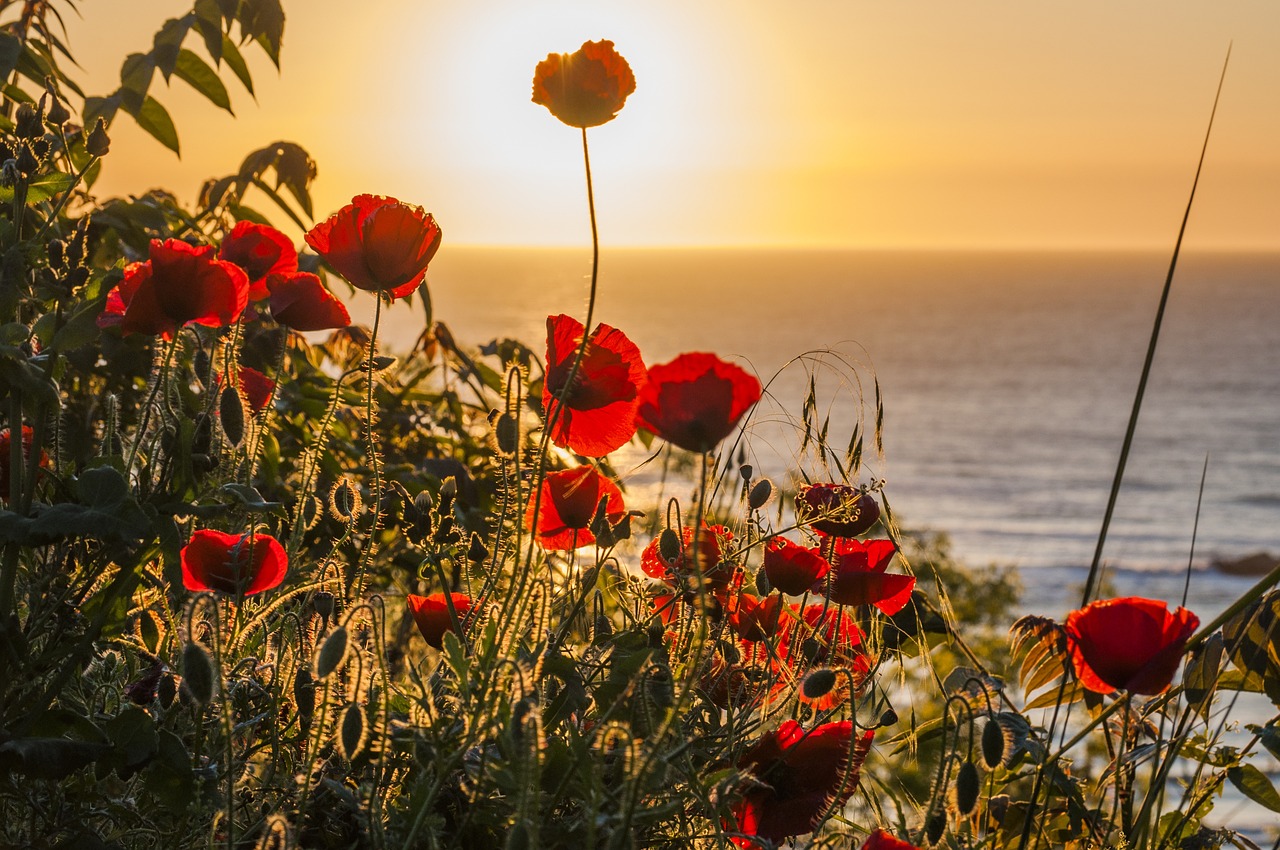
(881, 840)
(230, 563)
(378, 244)
(180, 284)
(1130, 644)
(6, 451)
(859, 577)
(597, 414)
(836, 510)
(585, 88)
(820, 635)
(257, 388)
(696, 400)
(300, 301)
(711, 545)
(792, 568)
(753, 618)
(568, 505)
(431, 613)
(261, 251)
(796, 777)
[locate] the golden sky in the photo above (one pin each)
(835, 123)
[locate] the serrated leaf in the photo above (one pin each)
(195, 72)
(154, 118)
(1255, 785)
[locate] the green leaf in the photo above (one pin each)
(100, 107)
(135, 80)
(194, 71)
(263, 21)
(168, 43)
(169, 775)
(209, 24)
(48, 758)
(103, 488)
(42, 188)
(231, 54)
(155, 119)
(1253, 783)
(80, 329)
(133, 732)
(10, 51)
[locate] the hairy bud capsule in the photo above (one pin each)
(231, 412)
(344, 500)
(760, 494)
(819, 683)
(993, 744)
(354, 731)
(332, 652)
(669, 545)
(199, 679)
(967, 787)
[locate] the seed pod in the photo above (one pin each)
(332, 652)
(760, 494)
(98, 143)
(992, 744)
(231, 411)
(889, 717)
(819, 683)
(967, 787)
(58, 113)
(199, 677)
(323, 603)
(353, 733)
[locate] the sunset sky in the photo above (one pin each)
(817, 123)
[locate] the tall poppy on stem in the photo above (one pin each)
(585, 88)
(696, 400)
(378, 244)
(568, 505)
(795, 777)
(179, 284)
(1131, 644)
(232, 563)
(836, 510)
(596, 413)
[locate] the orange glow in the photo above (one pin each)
(825, 124)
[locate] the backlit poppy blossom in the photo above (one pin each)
(568, 505)
(836, 510)
(261, 251)
(585, 88)
(711, 545)
(792, 568)
(180, 284)
(820, 635)
(696, 400)
(1131, 644)
(231, 563)
(257, 388)
(301, 302)
(796, 777)
(597, 413)
(751, 617)
(881, 840)
(431, 614)
(378, 244)
(6, 451)
(858, 576)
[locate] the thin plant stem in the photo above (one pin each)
(1095, 566)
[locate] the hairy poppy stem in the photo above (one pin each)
(1095, 566)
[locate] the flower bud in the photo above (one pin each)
(819, 683)
(98, 143)
(323, 603)
(354, 731)
(198, 675)
(967, 787)
(477, 552)
(332, 652)
(993, 744)
(231, 411)
(669, 546)
(28, 122)
(760, 494)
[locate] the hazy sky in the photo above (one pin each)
(818, 122)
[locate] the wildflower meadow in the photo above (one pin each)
(267, 582)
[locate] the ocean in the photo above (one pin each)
(1006, 381)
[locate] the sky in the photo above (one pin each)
(819, 123)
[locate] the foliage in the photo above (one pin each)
(443, 662)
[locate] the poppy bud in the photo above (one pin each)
(889, 717)
(669, 547)
(167, 690)
(993, 745)
(602, 630)
(27, 162)
(323, 603)
(304, 693)
(344, 500)
(746, 471)
(231, 411)
(448, 490)
(444, 532)
(506, 433)
(198, 675)
(98, 143)
(354, 731)
(763, 585)
(760, 494)
(28, 121)
(934, 828)
(332, 652)
(600, 526)
(477, 552)
(967, 787)
(57, 254)
(58, 113)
